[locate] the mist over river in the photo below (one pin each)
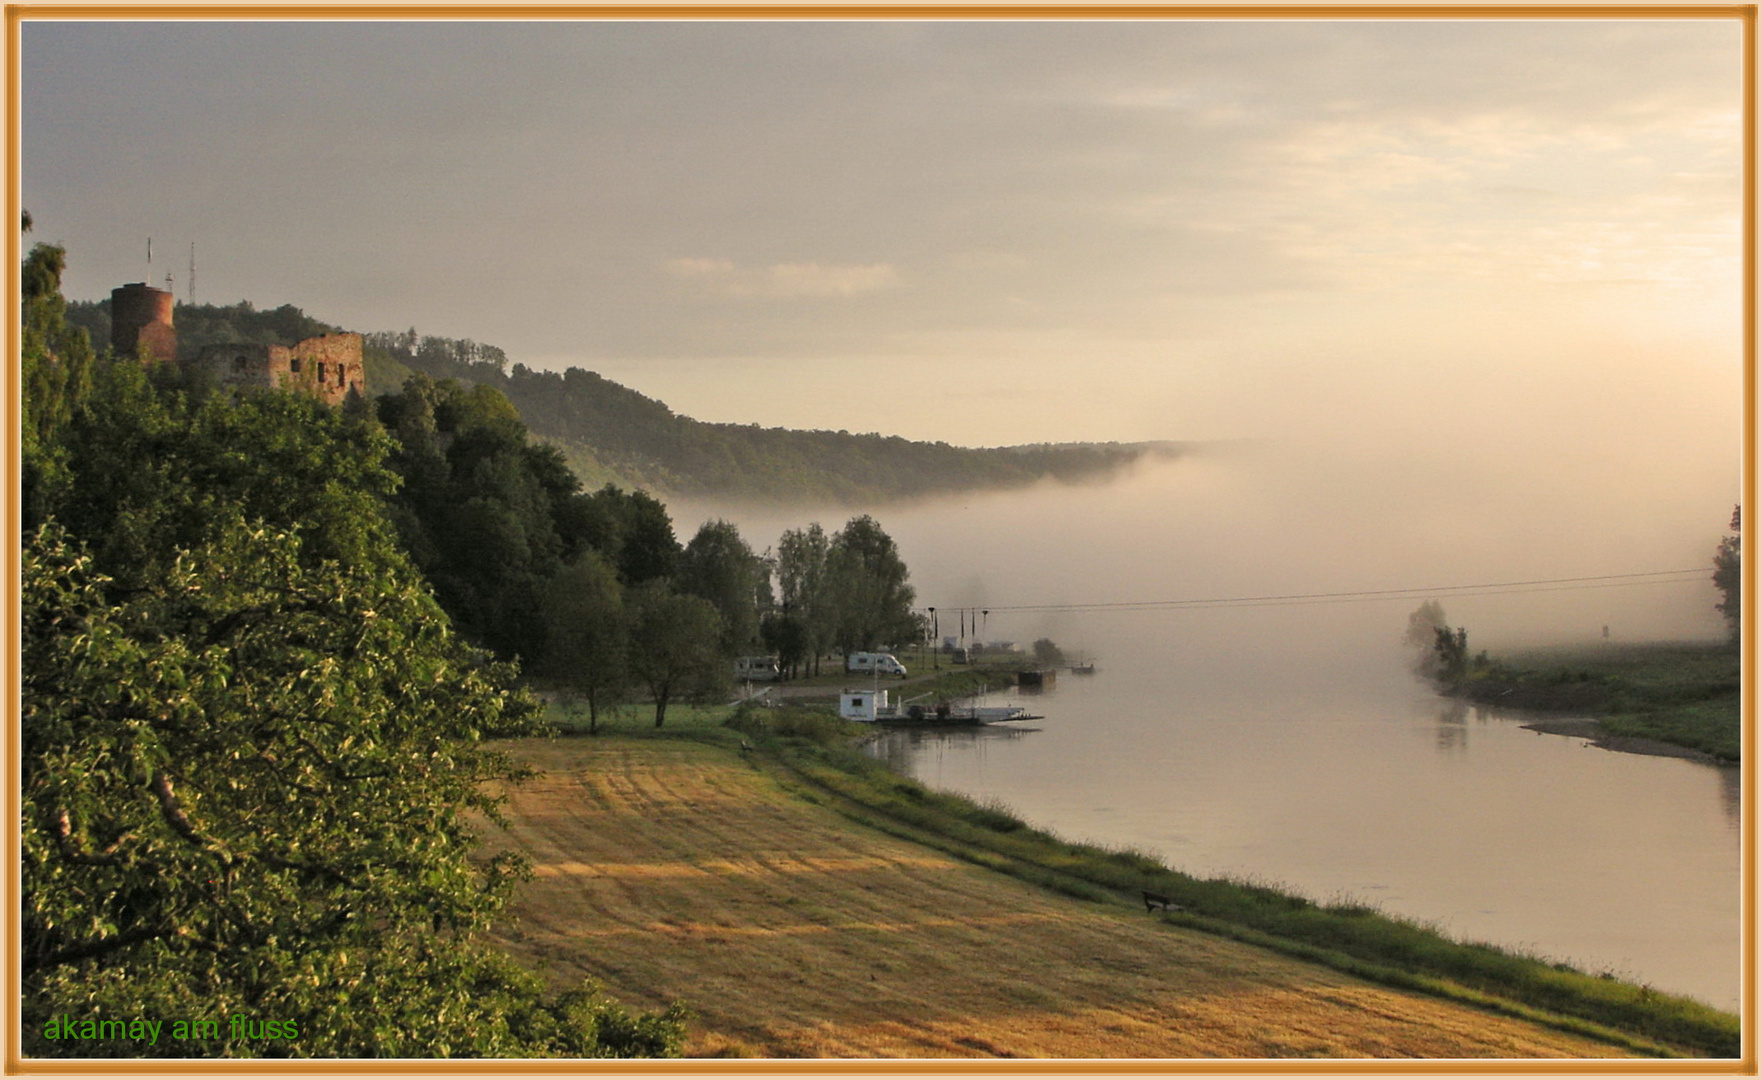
(1286, 742)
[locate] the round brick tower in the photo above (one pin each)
(140, 322)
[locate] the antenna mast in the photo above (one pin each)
(192, 272)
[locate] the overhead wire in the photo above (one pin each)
(1496, 588)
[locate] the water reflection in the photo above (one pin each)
(1731, 795)
(1453, 727)
(905, 749)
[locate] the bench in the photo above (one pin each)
(1153, 901)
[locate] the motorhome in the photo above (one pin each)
(757, 669)
(880, 663)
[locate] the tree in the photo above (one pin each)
(1439, 653)
(1047, 653)
(631, 528)
(787, 636)
(57, 366)
(1423, 623)
(1728, 575)
(586, 639)
(808, 606)
(153, 469)
(490, 517)
(868, 579)
(719, 566)
(675, 645)
(251, 745)
(1450, 653)
(246, 789)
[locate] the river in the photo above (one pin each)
(1420, 806)
(1286, 743)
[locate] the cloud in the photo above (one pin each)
(785, 280)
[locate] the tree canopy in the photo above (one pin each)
(868, 579)
(613, 431)
(252, 743)
(1728, 574)
(675, 643)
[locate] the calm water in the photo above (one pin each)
(1287, 743)
(1612, 861)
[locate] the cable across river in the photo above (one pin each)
(1494, 588)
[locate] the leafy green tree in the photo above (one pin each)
(56, 369)
(786, 636)
(808, 616)
(152, 468)
(246, 789)
(647, 548)
(490, 517)
(675, 645)
(1728, 574)
(1450, 653)
(586, 638)
(868, 580)
(250, 746)
(719, 566)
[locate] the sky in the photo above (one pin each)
(985, 232)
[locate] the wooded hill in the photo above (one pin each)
(611, 433)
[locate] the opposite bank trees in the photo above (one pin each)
(1728, 574)
(251, 748)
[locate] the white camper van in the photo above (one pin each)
(881, 663)
(757, 669)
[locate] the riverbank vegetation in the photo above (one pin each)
(1686, 694)
(1678, 694)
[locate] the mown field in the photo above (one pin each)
(681, 870)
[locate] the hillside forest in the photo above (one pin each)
(612, 434)
(264, 642)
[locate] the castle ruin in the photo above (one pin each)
(140, 323)
(328, 367)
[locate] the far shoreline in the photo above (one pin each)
(1592, 730)
(1663, 699)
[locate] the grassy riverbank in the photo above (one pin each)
(1684, 694)
(930, 925)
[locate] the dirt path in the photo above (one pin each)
(675, 871)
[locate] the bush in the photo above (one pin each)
(793, 722)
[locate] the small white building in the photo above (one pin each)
(863, 706)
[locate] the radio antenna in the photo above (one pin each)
(192, 285)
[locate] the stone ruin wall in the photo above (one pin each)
(327, 367)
